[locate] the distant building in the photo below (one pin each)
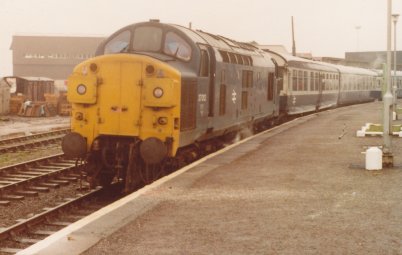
(331, 60)
(50, 56)
(275, 48)
(306, 55)
(374, 59)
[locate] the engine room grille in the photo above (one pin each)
(188, 104)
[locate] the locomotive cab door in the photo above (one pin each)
(207, 82)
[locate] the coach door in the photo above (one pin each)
(321, 86)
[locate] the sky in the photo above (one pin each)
(322, 27)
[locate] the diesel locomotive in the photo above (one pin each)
(157, 95)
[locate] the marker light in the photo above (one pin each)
(158, 92)
(81, 89)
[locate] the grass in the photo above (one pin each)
(378, 128)
(11, 158)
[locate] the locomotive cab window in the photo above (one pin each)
(147, 39)
(119, 43)
(177, 47)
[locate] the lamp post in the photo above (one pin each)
(394, 85)
(357, 36)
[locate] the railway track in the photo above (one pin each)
(56, 171)
(32, 141)
(29, 231)
(31, 177)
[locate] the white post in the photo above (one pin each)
(357, 36)
(387, 99)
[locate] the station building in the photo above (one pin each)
(373, 59)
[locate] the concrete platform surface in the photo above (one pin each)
(299, 189)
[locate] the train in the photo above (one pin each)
(158, 95)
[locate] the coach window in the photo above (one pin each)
(204, 65)
(311, 81)
(177, 47)
(300, 80)
(294, 80)
(305, 80)
(119, 43)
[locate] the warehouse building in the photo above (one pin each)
(50, 56)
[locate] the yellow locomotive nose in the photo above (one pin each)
(127, 96)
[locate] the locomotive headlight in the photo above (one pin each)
(158, 92)
(81, 89)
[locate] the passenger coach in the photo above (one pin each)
(305, 85)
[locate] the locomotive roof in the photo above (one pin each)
(217, 41)
(198, 36)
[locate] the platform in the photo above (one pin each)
(300, 188)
